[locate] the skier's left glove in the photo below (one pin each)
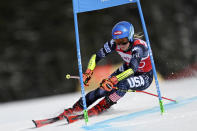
(108, 84)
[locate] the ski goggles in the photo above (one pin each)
(122, 41)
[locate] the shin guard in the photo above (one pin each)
(103, 105)
(76, 109)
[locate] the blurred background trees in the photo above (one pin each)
(37, 41)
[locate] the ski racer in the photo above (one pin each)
(135, 73)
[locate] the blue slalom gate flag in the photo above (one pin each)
(90, 5)
(80, 6)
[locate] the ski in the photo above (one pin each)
(73, 118)
(69, 119)
(44, 122)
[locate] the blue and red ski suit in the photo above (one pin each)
(135, 57)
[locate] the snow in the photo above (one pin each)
(135, 111)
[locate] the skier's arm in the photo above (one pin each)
(89, 71)
(137, 53)
(107, 49)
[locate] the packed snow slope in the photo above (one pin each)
(134, 112)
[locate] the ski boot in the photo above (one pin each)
(77, 108)
(103, 105)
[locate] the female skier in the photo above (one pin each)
(135, 74)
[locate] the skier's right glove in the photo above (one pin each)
(87, 76)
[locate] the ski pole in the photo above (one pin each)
(157, 96)
(148, 94)
(68, 76)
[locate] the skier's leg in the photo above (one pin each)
(77, 108)
(94, 95)
(140, 82)
(106, 103)
(110, 97)
(103, 105)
